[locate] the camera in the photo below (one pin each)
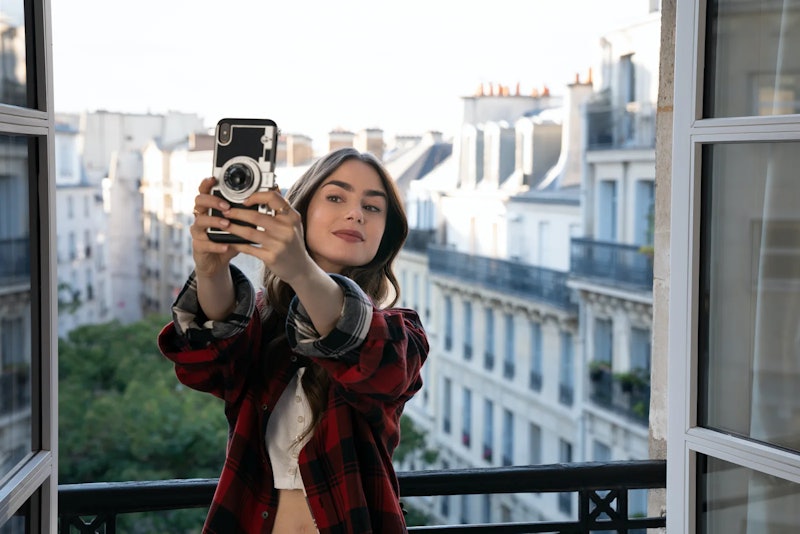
(244, 163)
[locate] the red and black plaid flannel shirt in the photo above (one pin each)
(374, 358)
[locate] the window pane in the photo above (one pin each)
(13, 67)
(749, 342)
(752, 65)
(735, 499)
(15, 304)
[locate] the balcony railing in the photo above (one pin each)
(609, 127)
(418, 240)
(612, 263)
(626, 394)
(602, 490)
(525, 280)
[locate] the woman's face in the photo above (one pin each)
(346, 217)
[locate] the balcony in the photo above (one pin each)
(615, 264)
(629, 127)
(530, 281)
(419, 240)
(627, 394)
(602, 490)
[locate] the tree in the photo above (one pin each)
(123, 415)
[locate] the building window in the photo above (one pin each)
(604, 342)
(488, 430)
(640, 349)
(73, 246)
(467, 330)
(70, 207)
(607, 211)
(508, 438)
(444, 500)
(508, 360)
(448, 323)
(415, 291)
(534, 444)
(565, 456)
(566, 384)
(488, 349)
(600, 452)
(428, 294)
(536, 357)
(466, 429)
(644, 216)
(487, 508)
(447, 403)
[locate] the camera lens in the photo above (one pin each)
(238, 177)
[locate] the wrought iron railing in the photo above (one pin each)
(624, 393)
(602, 489)
(538, 283)
(419, 240)
(612, 263)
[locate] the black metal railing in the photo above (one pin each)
(609, 127)
(539, 283)
(626, 394)
(614, 263)
(419, 240)
(602, 489)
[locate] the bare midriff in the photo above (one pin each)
(293, 515)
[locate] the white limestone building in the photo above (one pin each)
(84, 294)
(513, 306)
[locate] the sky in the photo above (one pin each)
(316, 65)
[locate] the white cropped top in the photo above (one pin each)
(290, 419)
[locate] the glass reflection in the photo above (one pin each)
(736, 499)
(751, 228)
(752, 65)
(15, 304)
(13, 71)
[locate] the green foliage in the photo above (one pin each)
(123, 415)
(69, 299)
(413, 444)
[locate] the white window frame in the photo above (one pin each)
(690, 131)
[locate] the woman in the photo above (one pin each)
(313, 371)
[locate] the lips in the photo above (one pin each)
(351, 236)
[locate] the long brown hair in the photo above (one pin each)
(376, 278)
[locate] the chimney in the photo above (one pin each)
(201, 141)
(340, 138)
(370, 140)
(567, 171)
(298, 150)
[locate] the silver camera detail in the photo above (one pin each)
(244, 164)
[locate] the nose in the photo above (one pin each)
(356, 214)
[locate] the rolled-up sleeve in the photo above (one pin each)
(347, 336)
(190, 321)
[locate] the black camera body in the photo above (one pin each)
(244, 163)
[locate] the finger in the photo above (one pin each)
(203, 204)
(206, 184)
(272, 199)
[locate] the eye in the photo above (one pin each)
(333, 198)
(372, 208)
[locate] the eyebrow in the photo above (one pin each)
(348, 187)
